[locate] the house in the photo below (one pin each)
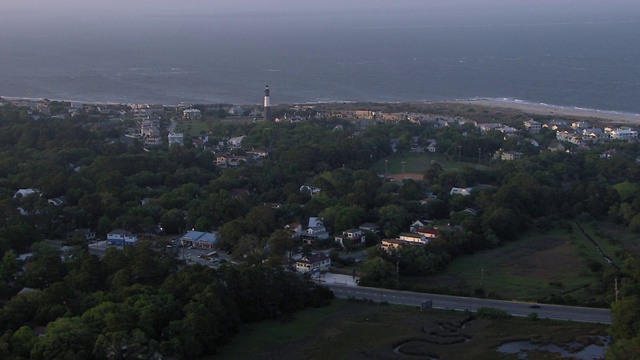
(461, 191)
(555, 145)
(432, 147)
(295, 229)
(351, 238)
(258, 154)
(177, 138)
(191, 114)
(25, 192)
(153, 140)
(313, 234)
(365, 114)
(419, 224)
(201, 141)
(121, 237)
(555, 124)
(199, 239)
(533, 126)
(485, 128)
(59, 201)
(389, 245)
(623, 134)
(235, 142)
(87, 234)
(431, 233)
(309, 190)
(221, 160)
(236, 160)
(315, 221)
(370, 227)
(511, 155)
(579, 125)
(414, 238)
(314, 263)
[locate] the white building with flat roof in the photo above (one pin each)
(623, 134)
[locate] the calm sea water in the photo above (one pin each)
(568, 61)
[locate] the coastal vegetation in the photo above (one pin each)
(529, 229)
(357, 330)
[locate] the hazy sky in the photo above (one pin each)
(126, 7)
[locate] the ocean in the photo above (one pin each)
(567, 60)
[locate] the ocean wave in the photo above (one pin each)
(556, 107)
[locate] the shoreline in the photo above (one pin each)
(495, 103)
(551, 110)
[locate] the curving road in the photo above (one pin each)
(515, 308)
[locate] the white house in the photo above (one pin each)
(309, 190)
(353, 236)
(191, 114)
(177, 138)
(313, 263)
(511, 155)
(414, 238)
(236, 142)
(25, 192)
(121, 237)
(461, 191)
(623, 134)
(533, 126)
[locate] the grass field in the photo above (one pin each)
(349, 330)
(418, 163)
(537, 266)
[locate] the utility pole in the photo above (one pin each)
(616, 289)
(385, 169)
(403, 167)
(397, 274)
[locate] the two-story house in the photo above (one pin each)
(351, 238)
(313, 263)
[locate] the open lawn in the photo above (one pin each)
(416, 164)
(352, 330)
(537, 267)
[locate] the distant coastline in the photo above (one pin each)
(524, 106)
(552, 110)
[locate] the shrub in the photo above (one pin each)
(492, 313)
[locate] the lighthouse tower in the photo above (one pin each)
(267, 104)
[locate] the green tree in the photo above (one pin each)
(67, 338)
(378, 273)
(22, 342)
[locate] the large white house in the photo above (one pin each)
(313, 263)
(191, 114)
(623, 134)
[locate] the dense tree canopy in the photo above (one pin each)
(136, 302)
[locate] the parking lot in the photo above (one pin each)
(194, 255)
(191, 255)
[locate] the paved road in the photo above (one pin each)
(558, 312)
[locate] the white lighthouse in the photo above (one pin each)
(267, 104)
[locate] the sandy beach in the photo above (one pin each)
(542, 109)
